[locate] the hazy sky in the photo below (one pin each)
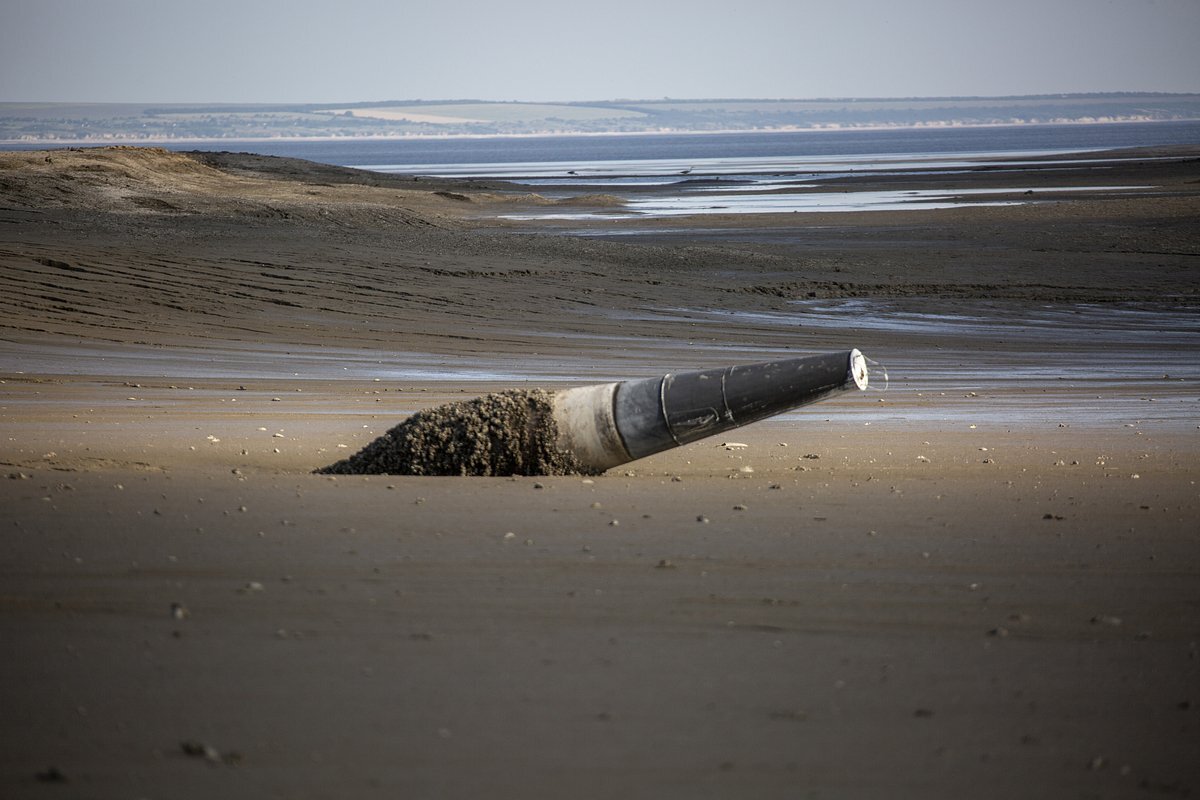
(350, 50)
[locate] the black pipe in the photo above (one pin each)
(656, 414)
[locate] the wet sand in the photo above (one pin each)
(980, 582)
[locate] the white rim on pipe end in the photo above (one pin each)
(858, 369)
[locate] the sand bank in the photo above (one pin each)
(981, 582)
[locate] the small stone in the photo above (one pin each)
(664, 564)
(200, 750)
(179, 611)
(702, 519)
(52, 774)
(739, 507)
(614, 523)
(539, 486)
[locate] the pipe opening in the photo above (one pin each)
(858, 369)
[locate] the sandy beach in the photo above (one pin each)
(980, 580)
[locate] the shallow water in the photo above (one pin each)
(773, 181)
(975, 362)
(1047, 324)
(795, 184)
(255, 361)
(1031, 342)
(746, 200)
(659, 171)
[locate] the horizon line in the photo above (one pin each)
(618, 100)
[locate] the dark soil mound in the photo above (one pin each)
(507, 433)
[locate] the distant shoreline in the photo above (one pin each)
(38, 143)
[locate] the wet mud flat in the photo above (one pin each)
(981, 582)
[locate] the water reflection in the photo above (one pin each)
(797, 199)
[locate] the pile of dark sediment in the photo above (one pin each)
(506, 433)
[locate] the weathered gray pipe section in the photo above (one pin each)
(612, 423)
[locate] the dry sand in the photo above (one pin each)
(983, 582)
